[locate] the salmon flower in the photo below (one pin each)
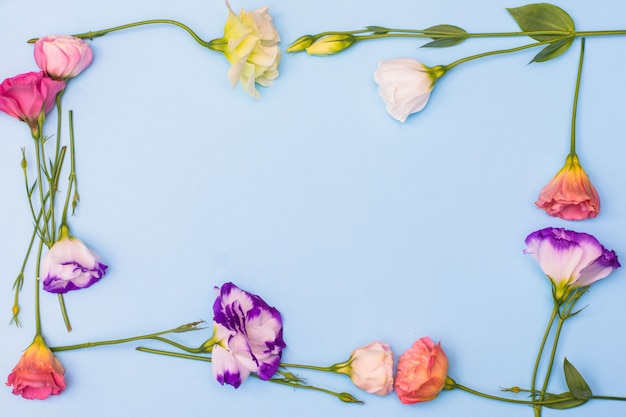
(38, 374)
(570, 195)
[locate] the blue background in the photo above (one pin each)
(355, 226)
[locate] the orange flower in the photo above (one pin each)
(570, 195)
(38, 374)
(422, 372)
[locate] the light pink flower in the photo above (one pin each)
(570, 195)
(370, 367)
(405, 84)
(38, 374)
(422, 372)
(29, 96)
(62, 57)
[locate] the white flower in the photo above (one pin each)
(405, 85)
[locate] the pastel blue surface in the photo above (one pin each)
(355, 226)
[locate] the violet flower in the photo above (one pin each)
(248, 336)
(70, 265)
(570, 259)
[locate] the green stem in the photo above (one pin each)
(37, 307)
(66, 318)
(44, 228)
(311, 367)
(498, 52)
(507, 400)
(605, 397)
(174, 354)
(555, 343)
(540, 354)
(72, 177)
(179, 329)
(95, 34)
(345, 397)
(572, 150)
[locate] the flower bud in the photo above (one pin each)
(330, 44)
(301, 43)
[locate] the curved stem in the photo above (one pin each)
(95, 34)
(572, 150)
(311, 367)
(557, 334)
(174, 354)
(540, 354)
(498, 52)
(507, 400)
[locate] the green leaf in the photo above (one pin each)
(444, 41)
(575, 382)
(377, 29)
(552, 51)
(542, 17)
(568, 401)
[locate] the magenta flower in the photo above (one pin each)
(62, 57)
(70, 265)
(29, 96)
(570, 259)
(248, 335)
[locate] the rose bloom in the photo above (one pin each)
(570, 259)
(422, 372)
(62, 57)
(248, 336)
(70, 265)
(250, 44)
(38, 374)
(370, 367)
(405, 85)
(28, 96)
(570, 195)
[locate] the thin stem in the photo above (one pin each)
(557, 334)
(311, 367)
(345, 397)
(572, 150)
(507, 400)
(498, 52)
(72, 178)
(37, 308)
(179, 329)
(540, 352)
(44, 229)
(66, 318)
(605, 397)
(91, 35)
(174, 354)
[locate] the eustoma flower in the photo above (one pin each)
(370, 367)
(248, 336)
(570, 259)
(62, 57)
(70, 265)
(570, 195)
(250, 43)
(405, 85)
(38, 374)
(28, 97)
(422, 372)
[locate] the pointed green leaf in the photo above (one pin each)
(568, 401)
(575, 382)
(377, 29)
(542, 17)
(553, 50)
(445, 41)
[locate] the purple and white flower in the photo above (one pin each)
(570, 259)
(248, 335)
(70, 265)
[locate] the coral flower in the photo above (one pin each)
(250, 43)
(28, 97)
(405, 85)
(422, 372)
(570, 259)
(570, 195)
(248, 336)
(62, 57)
(38, 374)
(370, 367)
(70, 265)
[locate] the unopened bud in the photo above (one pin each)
(348, 398)
(330, 44)
(301, 43)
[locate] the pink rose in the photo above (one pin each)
(570, 195)
(38, 374)
(370, 367)
(62, 57)
(27, 96)
(422, 372)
